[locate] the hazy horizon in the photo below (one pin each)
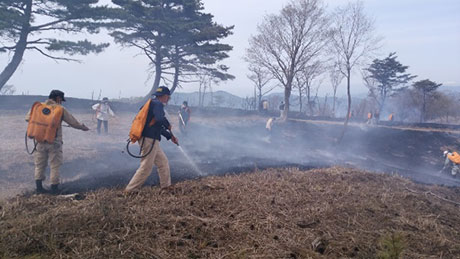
(420, 32)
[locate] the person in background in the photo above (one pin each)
(269, 129)
(103, 113)
(184, 116)
(150, 143)
(452, 160)
(50, 149)
(376, 117)
(369, 118)
(269, 124)
(281, 108)
(391, 117)
(265, 106)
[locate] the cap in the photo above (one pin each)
(56, 93)
(105, 99)
(162, 90)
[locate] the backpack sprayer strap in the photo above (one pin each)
(27, 145)
(140, 151)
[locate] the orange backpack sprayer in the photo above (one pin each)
(135, 133)
(43, 123)
(455, 157)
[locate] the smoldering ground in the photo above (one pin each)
(220, 143)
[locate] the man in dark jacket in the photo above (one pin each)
(150, 142)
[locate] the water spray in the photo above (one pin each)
(193, 164)
(195, 167)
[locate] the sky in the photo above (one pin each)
(425, 34)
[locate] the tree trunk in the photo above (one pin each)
(158, 71)
(348, 108)
(422, 114)
(309, 99)
(19, 48)
(176, 73)
(260, 99)
(176, 80)
(287, 95)
(300, 99)
(199, 97)
(333, 103)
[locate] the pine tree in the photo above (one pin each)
(179, 39)
(23, 22)
(385, 77)
(426, 88)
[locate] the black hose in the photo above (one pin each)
(140, 156)
(27, 146)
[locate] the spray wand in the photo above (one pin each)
(173, 137)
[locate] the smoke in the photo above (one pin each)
(220, 145)
(220, 142)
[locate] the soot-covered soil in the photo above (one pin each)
(220, 144)
(274, 213)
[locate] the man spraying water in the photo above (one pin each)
(148, 127)
(45, 128)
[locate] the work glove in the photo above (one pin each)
(174, 140)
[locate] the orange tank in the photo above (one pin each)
(44, 122)
(455, 157)
(139, 123)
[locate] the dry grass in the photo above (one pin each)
(266, 214)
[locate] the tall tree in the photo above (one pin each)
(385, 77)
(335, 77)
(22, 23)
(177, 37)
(260, 77)
(426, 88)
(305, 81)
(352, 42)
(286, 43)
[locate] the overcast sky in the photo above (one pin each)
(424, 33)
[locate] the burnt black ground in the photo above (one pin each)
(236, 147)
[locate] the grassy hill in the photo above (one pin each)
(275, 213)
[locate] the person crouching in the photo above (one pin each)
(452, 160)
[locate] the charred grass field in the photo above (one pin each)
(293, 193)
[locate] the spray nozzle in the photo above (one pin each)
(173, 138)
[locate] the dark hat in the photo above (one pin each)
(56, 93)
(105, 99)
(185, 103)
(162, 90)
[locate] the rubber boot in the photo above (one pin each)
(40, 189)
(54, 189)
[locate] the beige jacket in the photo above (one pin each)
(103, 111)
(66, 117)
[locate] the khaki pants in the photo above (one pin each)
(46, 151)
(156, 157)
